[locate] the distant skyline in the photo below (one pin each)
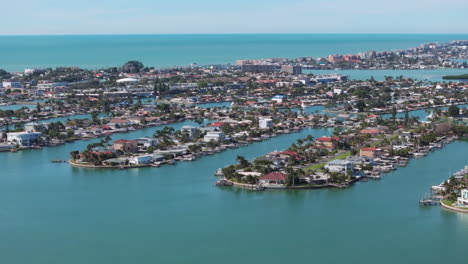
(54, 17)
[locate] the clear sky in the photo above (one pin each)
(38, 17)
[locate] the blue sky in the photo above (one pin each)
(58, 17)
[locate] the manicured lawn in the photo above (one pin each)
(447, 202)
(321, 165)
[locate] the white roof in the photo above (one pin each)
(127, 80)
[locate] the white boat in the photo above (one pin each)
(219, 172)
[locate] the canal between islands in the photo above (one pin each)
(53, 213)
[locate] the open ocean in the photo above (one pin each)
(97, 51)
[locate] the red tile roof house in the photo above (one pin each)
(125, 145)
(291, 154)
(371, 132)
(372, 118)
(273, 179)
(327, 142)
(217, 124)
(370, 152)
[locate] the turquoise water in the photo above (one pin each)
(15, 107)
(174, 214)
(431, 75)
(20, 52)
(421, 113)
(211, 105)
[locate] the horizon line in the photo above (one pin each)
(168, 34)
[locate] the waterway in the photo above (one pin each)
(421, 114)
(97, 51)
(52, 213)
(434, 75)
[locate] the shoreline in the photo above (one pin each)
(453, 209)
(78, 165)
(242, 144)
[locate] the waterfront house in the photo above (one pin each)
(139, 160)
(215, 136)
(339, 165)
(279, 98)
(273, 178)
(119, 123)
(24, 139)
(125, 145)
(406, 135)
(318, 178)
(370, 152)
(372, 118)
(34, 126)
(217, 124)
(463, 199)
(115, 161)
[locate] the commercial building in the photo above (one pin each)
(279, 98)
(291, 69)
(258, 68)
(11, 84)
(139, 160)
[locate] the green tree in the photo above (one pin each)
(453, 111)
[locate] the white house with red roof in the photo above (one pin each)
(274, 179)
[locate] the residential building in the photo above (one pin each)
(370, 152)
(265, 123)
(24, 139)
(119, 123)
(327, 142)
(273, 178)
(125, 145)
(291, 69)
(463, 199)
(34, 126)
(214, 136)
(339, 165)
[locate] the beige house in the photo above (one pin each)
(125, 145)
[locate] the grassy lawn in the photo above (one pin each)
(447, 202)
(322, 164)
